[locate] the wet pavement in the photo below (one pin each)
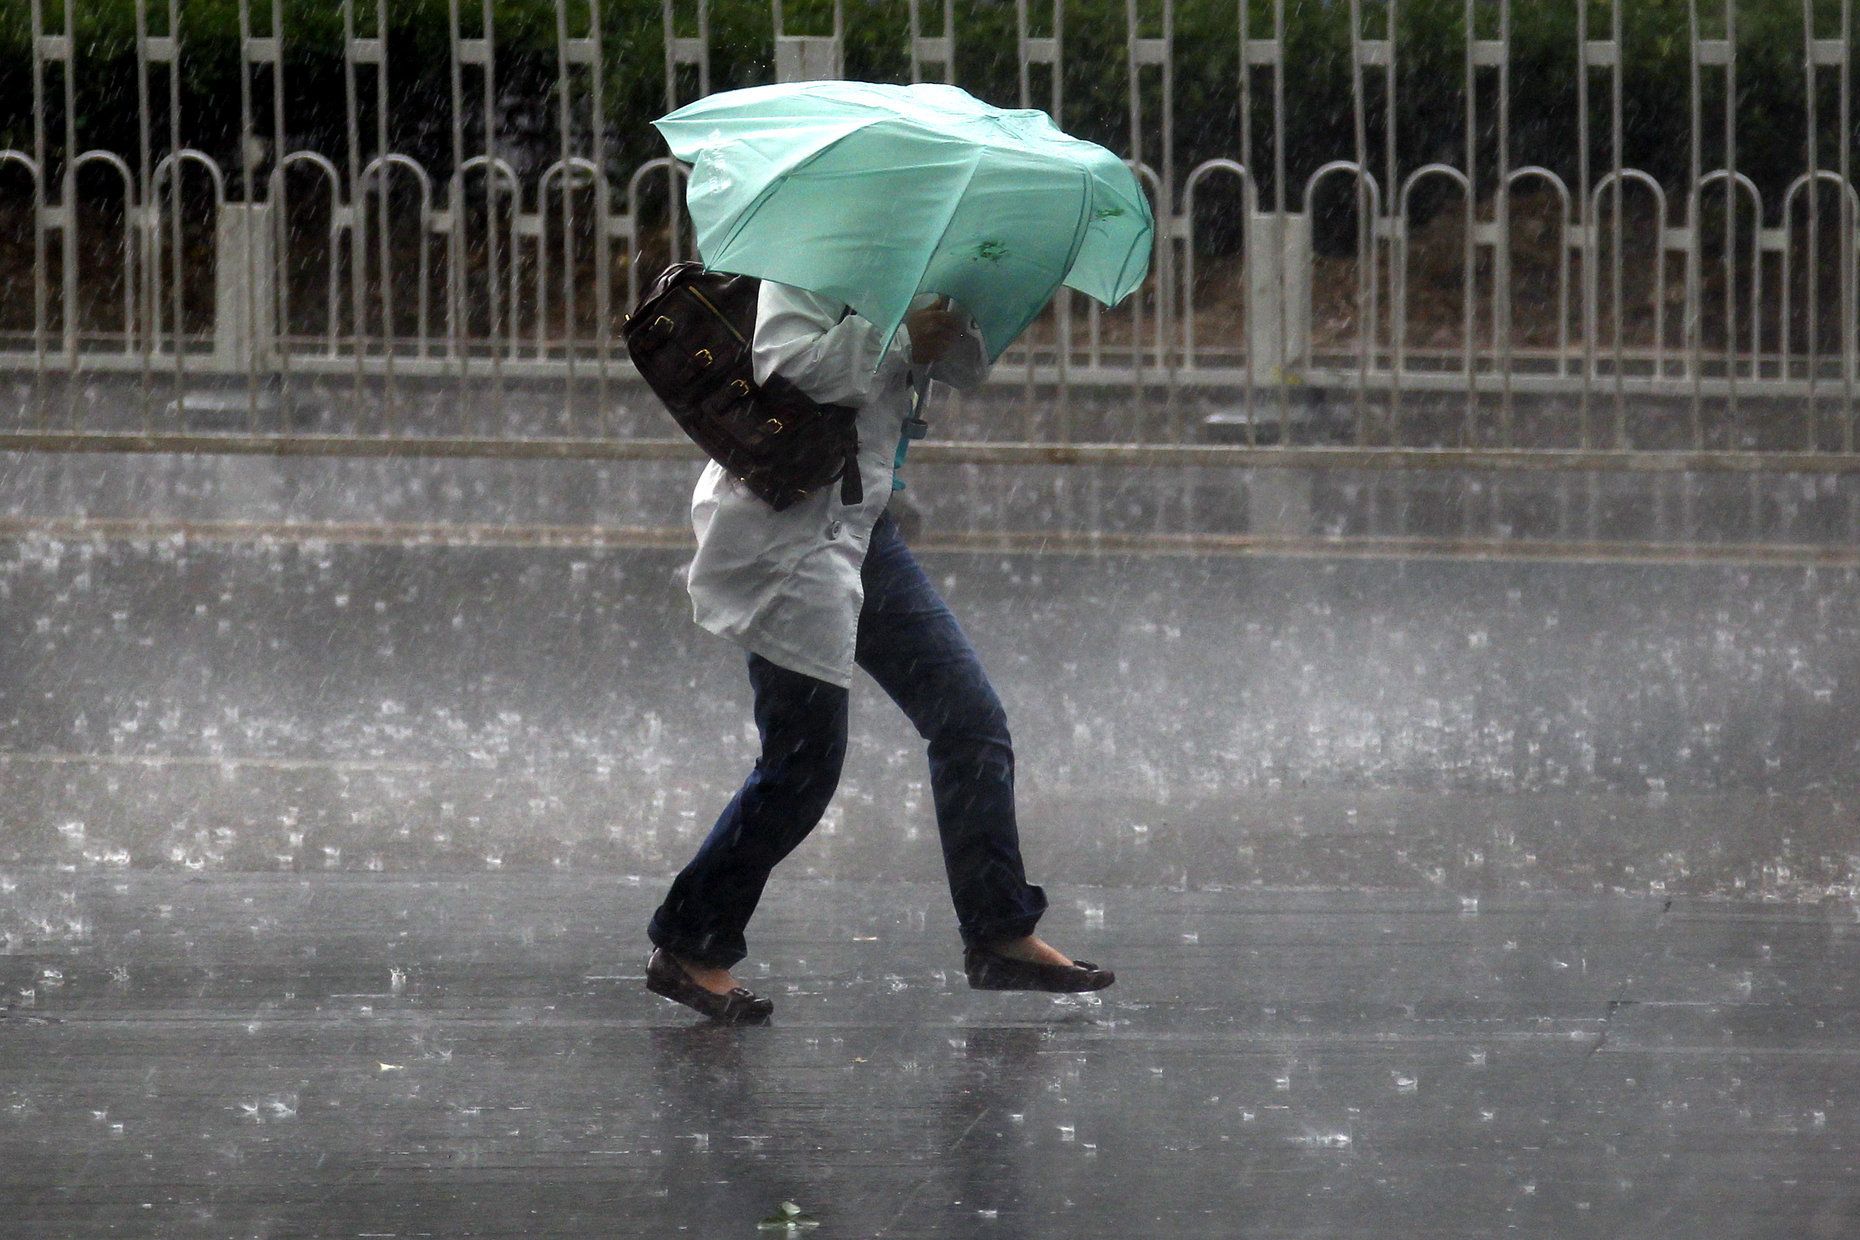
(1450, 895)
(362, 1055)
(315, 699)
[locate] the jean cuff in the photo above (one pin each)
(1017, 926)
(704, 951)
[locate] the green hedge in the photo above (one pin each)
(1430, 34)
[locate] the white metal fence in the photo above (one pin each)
(285, 262)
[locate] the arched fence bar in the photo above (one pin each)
(1529, 290)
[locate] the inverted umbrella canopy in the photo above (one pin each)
(873, 194)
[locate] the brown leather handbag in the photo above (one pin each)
(690, 338)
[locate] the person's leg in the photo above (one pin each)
(802, 722)
(910, 643)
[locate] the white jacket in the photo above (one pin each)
(786, 584)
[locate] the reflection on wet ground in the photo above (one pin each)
(370, 1055)
(1449, 897)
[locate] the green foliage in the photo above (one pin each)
(1319, 122)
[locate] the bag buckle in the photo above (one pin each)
(774, 426)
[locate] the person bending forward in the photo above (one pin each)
(811, 591)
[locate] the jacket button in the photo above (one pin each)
(833, 531)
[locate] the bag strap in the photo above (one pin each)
(852, 486)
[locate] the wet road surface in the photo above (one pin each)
(358, 1055)
(1450, 897)
(322, 701)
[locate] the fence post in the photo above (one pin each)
(1278, 265)
(810, 57)
(937, 49)
(244, 303)
(807, 58)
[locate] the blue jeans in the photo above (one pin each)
(911, 645)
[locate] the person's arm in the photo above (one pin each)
(802, 337)
(946, 343)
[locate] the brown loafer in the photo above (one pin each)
(665, 976)
(989, 970)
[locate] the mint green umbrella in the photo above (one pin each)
(874, 194)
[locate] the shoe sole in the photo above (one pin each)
(991, 977)
(670, 990)
(1040, 988)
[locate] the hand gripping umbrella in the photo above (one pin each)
(874, 194)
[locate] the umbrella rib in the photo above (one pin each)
(1085, 220)
(748, 213)
(975, 162)
(1078, 243)
(949, 217)
(1145, 240)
